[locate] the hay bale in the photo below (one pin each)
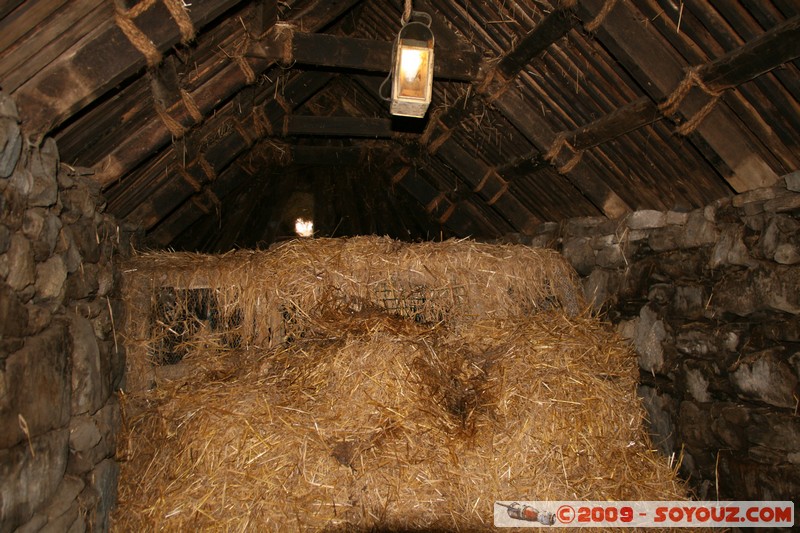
(264, 298)
(366, 416)
(392, 424)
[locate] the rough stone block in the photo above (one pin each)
(42, 228)
(64, 498)
(689, 301)
(13, 315)
(582, 226)
(792, 181)
(696, 385)
(650, 333)
(5, 239)
(756, 195)
(789, 202)
(50, 278)
(90, 388)
(665, 239)
(83, 433)
(694, 428)
(43, 168)
(676, 218)
(660, 414)
(83, 282)
(64, 522)
(22, 270)
(779, 288)
(580, 255)
(600, 287)
(68, 249)
(611, 256)
(37, 386)
(764, 377)
(730, 248)
(698, 231)
(104, 479)
(646, 219)
(29, 479)
(85, 235)
(10, 136)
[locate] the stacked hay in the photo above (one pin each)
(366, 419)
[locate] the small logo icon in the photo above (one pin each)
(517, 511)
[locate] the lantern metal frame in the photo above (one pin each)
(411, 94)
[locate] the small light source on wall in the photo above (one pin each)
(303, 227)
(412, 71)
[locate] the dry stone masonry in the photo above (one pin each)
(711, 300)
(60, 362)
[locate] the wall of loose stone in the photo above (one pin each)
(60, 361)
(711, 301)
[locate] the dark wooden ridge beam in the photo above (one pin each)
(554, 26)
(769, 50)
(625, 119)
(287, 45)
(74, 80)
(339, 126)
(659, 71)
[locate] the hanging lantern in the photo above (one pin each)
(412, 74)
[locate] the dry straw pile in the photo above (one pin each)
(483, 382)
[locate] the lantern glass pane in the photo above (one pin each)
(413, 82)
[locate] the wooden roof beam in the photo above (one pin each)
(76, 79)
(287, 45)
(662, 74)
(769, 50)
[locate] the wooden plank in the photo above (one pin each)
(76, 79)
(625, 119)
(40, 47)
(340, 126)
(303, 154)
(334, 51)
(7, 6)
(24, 19)
(552, 28)
(659, 71)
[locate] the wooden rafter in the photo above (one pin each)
(74, 80)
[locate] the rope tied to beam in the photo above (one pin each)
(595, 23)
(137, 38)
(247, 70)
(206, 166)
(261, 122)
(188, 178)
(433, 204)
(670, 106)
(175, 128)
(240, 129)
(191, 106)
(552, 153)
(446, 215)
(485, 179)
(180, 14)
(400, 174)
(499, 193)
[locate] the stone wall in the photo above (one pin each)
(711, 301)
(59, 358)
